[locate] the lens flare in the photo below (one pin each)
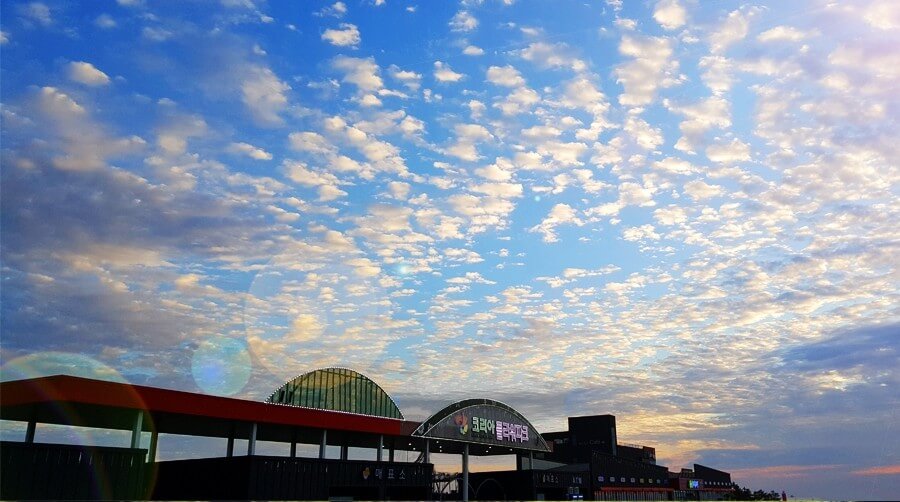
(221, 365)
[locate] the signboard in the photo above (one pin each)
(485, 424)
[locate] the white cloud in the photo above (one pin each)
(733, 29)
(735, 151)
(250, 151)
(472, 50)
(560, 214)
(338, 9)
(312, 142)
(670, 14)
(699, 190)
(505, 76)
(463, 21)
(363, 73)
(36, 12)
(264, 95)
(518, 101)
(105, 21)
(552, 56)
(443, 73)
(87, 74)
(642, 232)
(700, 118)
(650, 69)
(410, 79)
(781, 33)
(346, 36)
(882, 14)
(645, 135)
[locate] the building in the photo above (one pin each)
(326, 407)
(588, 462)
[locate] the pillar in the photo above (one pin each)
(465, 474)
(251, 443)
(391, 453)
(29, 432)
(230, 451)
(293, 449)
(154, 440)
(323, 444)
(380, 447)
(345, 450)
(427, 458)
(136, 430)
(531, 460)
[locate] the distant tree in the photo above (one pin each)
(741, 493)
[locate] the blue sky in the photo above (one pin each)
(679, 212)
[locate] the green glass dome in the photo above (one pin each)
(337, 389)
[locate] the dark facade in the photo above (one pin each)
(616, 471)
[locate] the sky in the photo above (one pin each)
(680, 212)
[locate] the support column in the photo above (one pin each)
(230, 451)
(136, 430)
(29, 432)
(293, 449)
(427, 458)
(251, 443)
(391, 453)
(345, 450)
(531, 460)
(154, 440)
(323, 444)
(380, 447)
(465, 474)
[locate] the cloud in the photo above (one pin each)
(87, 74)
(670, 14)
(781, 33)
(727, 153)
(443, 73)
(463, 21)
(881, 470)
(361, 72)
(650, 69)
(733, 29)
(560, 214)
(36, 12)
(410, 79)
(471, 50)
(557, 55)
(505, 76)
(250, 151)
(264, 95)
(83, 144)
(346, 36)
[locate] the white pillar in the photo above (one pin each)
(465, 480)
(251, 443)
(136, 430)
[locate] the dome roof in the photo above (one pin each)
(337, 389)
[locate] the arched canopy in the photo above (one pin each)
(483, 421)
(337, 389)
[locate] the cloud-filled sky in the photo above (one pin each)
(680, 212)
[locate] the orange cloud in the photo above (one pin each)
(881, 470)
(782, 471)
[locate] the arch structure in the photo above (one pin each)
(485, 422)
(337, 389)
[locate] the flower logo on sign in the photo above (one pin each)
(463, 422)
